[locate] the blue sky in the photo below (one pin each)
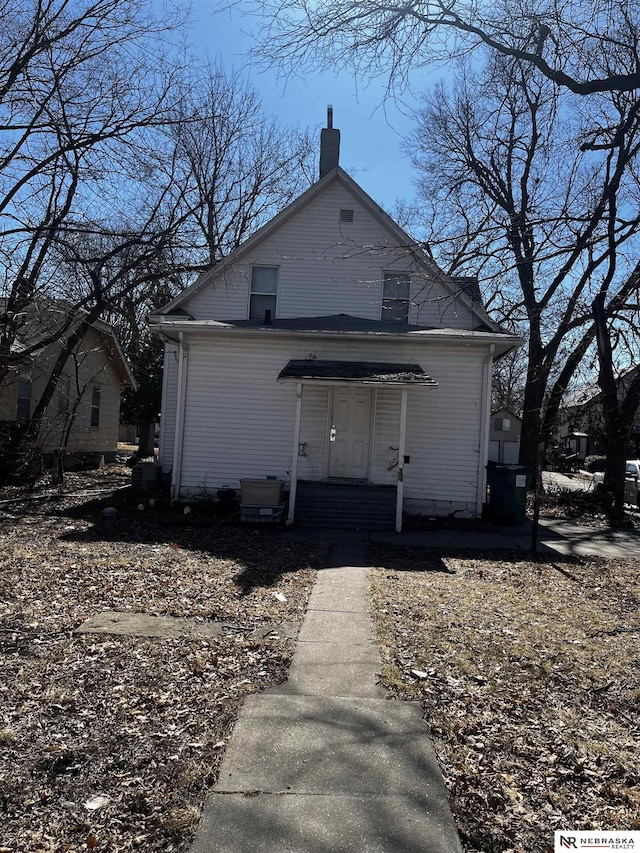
(371, 129)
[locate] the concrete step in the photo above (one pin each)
(322, 523)
(357, 497)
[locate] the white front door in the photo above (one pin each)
(350, 432)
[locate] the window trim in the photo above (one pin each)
(21, 418)
(251, 292)
(386, 276)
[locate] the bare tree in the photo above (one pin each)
(620, 399)
(548, 227)
(229, 168)
(587, 46)
(509, 380)
(80, 80)
(234, 166)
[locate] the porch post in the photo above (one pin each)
(401, 446)
(294, 462)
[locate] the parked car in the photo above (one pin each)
(631, 484)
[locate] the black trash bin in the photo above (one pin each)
(508, 486)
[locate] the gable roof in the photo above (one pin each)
(506, 412)
(458, 289)
(44, 318)
(591, 391)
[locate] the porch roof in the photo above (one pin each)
(362, 372)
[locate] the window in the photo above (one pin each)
(64, 386)
(264, 292)
(396, 289)
(503, 424)
(23, 408)
(346, 216)
(95, 408)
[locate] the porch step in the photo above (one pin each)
(346, 506)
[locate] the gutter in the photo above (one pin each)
(176, 470)
(434, 335)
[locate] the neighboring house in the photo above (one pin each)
(331, 351)
(84, 413)
(581, 427)
(504, 437)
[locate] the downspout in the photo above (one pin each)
(293, 487)
(176, 471)
(401, 448)
(484, 429)
(163, 398)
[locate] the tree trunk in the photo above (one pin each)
(145, 445)
(531, 415)
(57, 468)
(617, 433)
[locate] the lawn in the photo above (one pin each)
(112, 742)
(529, 676)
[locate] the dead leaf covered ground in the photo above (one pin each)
(109, 742)
(529, 675)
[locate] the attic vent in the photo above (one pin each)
(346, 216)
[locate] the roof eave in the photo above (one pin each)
(342, 380)
(164, 328)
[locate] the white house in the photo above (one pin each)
(83, 415)
(331, 351)
(504, 437)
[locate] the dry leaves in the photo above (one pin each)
(528, 674)
(111, 743)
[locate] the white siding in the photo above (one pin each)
(313, 432)
(239, 420)
(443, 435)
(169, 402)
(386, 434)
(330, 267)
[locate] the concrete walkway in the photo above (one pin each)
(555, 536)
(325, 763)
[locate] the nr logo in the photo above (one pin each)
(568, 842)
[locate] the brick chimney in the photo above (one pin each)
(329, 145)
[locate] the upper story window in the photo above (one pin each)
(95, 408)
(264, 292)
(502, 424)
(23, 406)
(396, 291)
